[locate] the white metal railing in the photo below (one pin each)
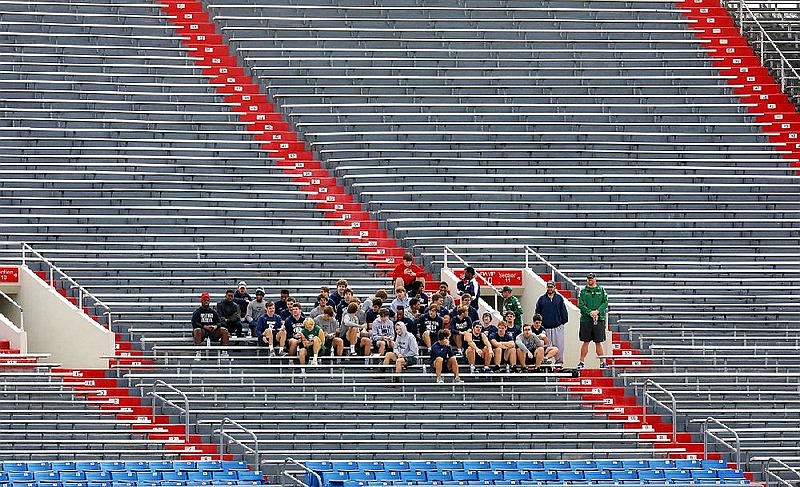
(785, 71)
(285, 473)
(8, 298)
(768, 474)
(674, 409)
(478, 276)
(735, 449)
(184, 409)
(53, 271)
(223, 435)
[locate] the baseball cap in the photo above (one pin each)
(241, 284)
(590, 275)
(205, 296)
(507, 288)
(551, 284)
(259, 291)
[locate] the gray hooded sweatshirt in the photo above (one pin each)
(406, 344)
(528, 344)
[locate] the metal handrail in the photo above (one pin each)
(673, 410)
(766, 473)
(466, 264)
(763, 35)
(184, 410)
(553, 270)
(16, 305)
(231, 439)
(706, 433)
(82, 291)
(284, 473)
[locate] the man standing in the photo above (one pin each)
(469, 285)
(511, 303)
(593, 303)
(553, 310)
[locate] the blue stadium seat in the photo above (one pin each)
(651, 475)
(390, 476)
(450, 465)
(688, 464)
(584, 465)
(597, 475)
(713, 464)
(557, 465)
(465, 475)
(610, 465)
(114, 466)
(315, 466)
(20, 476)
(39, 466)
(45, 476)
(677, 473)
(360, 476)
(636, 464)
(4, 477)
(397, 466)
(627, 474)
(663, 464)
(516, 475)
(15, 467)
(704, 474)
(504, 465)
(413, 476)
(101, 483)
(372, 466)
(566, 475)
(161, 466)
(173, 476)
(437, 476)
(234, 465)
(137, 466)
(82, 483)
(148, 476)
(328, 478)
(184, 465)
(729, 473)
(59, 466)
(209, 466)
(346, 467)
(172, 483)
(197, 476)
(87, 466)
(249, 475)
(71, 476)
(490, 474)
(426, 466)
(124, 476)
(478, 465)
(528, 465)
(48, 483)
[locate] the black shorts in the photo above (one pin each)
(591, 332)
(410, 362)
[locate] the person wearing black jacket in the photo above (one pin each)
(206, 323)
(230, 314)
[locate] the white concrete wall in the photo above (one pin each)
(9, 331)
(452, 281)
(57, 327)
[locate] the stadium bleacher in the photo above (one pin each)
(599, 133)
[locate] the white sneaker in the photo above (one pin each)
(313, 362)
(440, 380)
(458, 380)
(224, 354)
(197, 356)
(471, 369)
(508, 368)
(302, 371)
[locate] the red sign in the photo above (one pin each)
(9, 275)
(495, 277)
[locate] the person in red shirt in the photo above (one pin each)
(409, 275)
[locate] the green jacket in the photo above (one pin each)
(593, 298)
(512, 304)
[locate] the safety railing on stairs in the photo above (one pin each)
(286, 474)
(223, 435)
(772, 477)
(482, 280)
(54, 272)
(21, 321)
(736, 449)
(184, 410)
(648, 396)
(763, 44)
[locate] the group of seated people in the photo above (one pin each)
(394, 330)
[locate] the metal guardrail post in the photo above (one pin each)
(737, 451)
(284, 473)
(478, 275)
(767, 474)
(673, 410)
(82, 291)
(185, 409)
(222, 435)
(16, 305)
